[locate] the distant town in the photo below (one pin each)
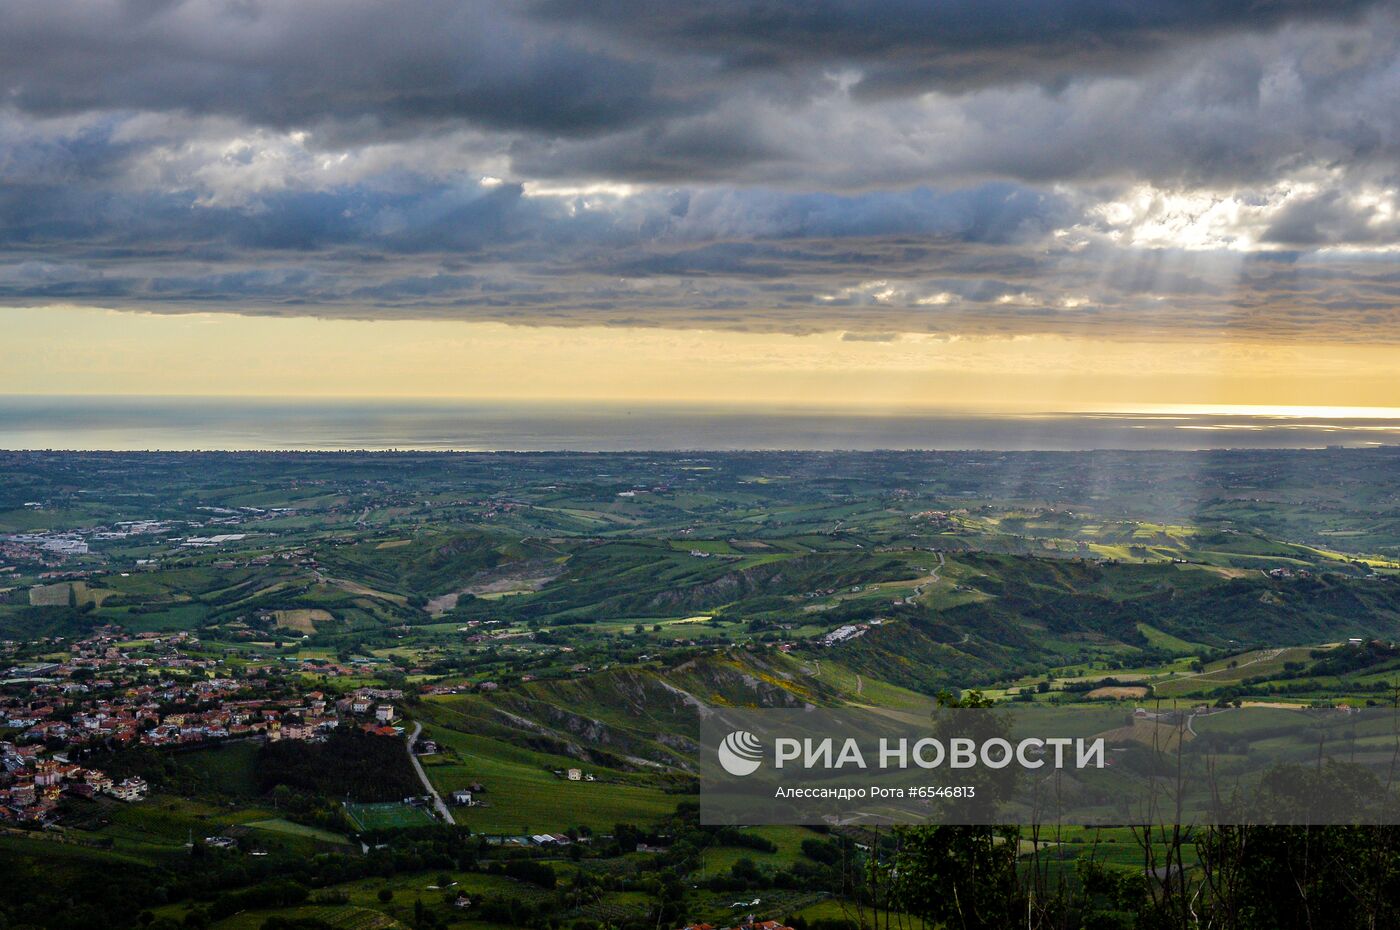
(114, 691)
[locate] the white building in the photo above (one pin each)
(132, 789)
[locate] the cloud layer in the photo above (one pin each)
(1068, 165)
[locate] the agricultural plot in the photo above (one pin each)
(1166, 641)
(788, 840)
(1258, 664)
(287, 827)
(340, 917)
(302, 621)
(164, 823)
(525, 796)
(51, 595)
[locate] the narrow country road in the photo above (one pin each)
(1263, 656)
(438, 802)
(932, 577)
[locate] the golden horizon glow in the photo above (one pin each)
(1294, 412)
(76, 350)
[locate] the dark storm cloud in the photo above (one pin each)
(912, 45)
(872, 167)
(295, 64)
(563, 66)
(1231, 109)
(808, 285)
(48, 204)
(675, 92)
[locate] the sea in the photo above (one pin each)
(225, 424)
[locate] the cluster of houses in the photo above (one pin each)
(485, 687)
(310, 718)
(848, 632)
(31, 785)
(237, 719)
(372, 703)
(104, 694)
(110, 693)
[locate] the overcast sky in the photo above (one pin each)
(1177, 169)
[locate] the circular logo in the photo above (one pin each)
(741, 753)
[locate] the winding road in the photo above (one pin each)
(932, 577)
(438, 802)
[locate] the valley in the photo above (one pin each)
(539, 631)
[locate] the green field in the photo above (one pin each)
(278, 825)
(1257, 664)
(718, 859)
(525, 796)
(342, 917)
(388, 815)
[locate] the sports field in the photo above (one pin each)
(390, 815)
